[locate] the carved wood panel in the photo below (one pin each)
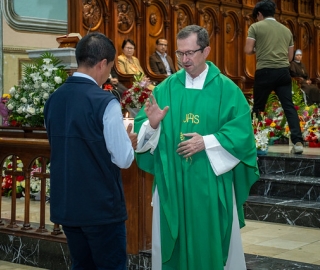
(208, 19)
(226, 21)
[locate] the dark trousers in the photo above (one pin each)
(278, 80)
(101, 247)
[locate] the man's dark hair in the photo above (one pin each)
(157, 41)
(93, 48)
(126, 41)
(202, 34)
(266, 7)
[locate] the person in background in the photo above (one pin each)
(159, 61)
(195, 137)
(298, 69)
(272, 43)
(89, 146)
(128, 63)
(112, 84)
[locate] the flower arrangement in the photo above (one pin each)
(261, 132)
(40, 79)
(136, 96)
(311, 129)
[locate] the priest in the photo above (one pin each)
(195, 137)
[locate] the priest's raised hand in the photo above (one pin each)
(154, 113)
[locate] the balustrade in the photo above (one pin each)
(137, 187)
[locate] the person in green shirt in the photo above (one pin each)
(272, 43)
(195, 137)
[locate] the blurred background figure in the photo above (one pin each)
(160, 62)
(129, 64)
(298, 69)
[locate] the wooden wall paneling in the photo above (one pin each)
(287, 6)
(316, 9)
(305, 40)
(249, 61)
(156, 25)
(231, 33)
(183, 15)
(249, 4)
(209, 19)
(75, 16)
(316, 61)
(305, 7)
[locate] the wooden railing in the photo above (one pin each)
(137, 187)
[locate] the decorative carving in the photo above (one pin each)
(305, 38)
(91, 13)
(182, 20)
(207, 22)
(153, 19)
(228, 28)
(125, 16)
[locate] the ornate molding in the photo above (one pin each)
(22, 23)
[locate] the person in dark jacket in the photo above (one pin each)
(89, 146)
(298, 69)
(159, 61)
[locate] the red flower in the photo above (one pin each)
(20, 178)
(107, 87)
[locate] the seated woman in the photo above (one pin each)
(298, 69)
(129, 64)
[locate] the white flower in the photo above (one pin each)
(10, 107)
(16, 96)
(58, 79)
(44, 85)
(36, 101)
(46, 60)
(47, 74)
(20, 110)
(31, 110)
(23, 100)
(12, 91)
(45, 95)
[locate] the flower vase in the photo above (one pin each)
(133, 112)
(262, 152)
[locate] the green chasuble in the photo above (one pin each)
(196, 210)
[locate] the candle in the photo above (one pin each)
(127, 121)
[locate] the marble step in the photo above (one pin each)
(283, 210)
(305, 188)
(289, 164)
(253, 262)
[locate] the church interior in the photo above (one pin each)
(283, 208)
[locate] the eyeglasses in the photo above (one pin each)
(160, 44)
(188, 53)
(129, 48)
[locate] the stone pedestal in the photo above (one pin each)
(66, 55)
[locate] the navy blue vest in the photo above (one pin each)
(85, 186)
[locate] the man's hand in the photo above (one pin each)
(154, 113)
(191, 146)
(114, 80)
(132, 136)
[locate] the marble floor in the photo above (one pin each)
(264, 243)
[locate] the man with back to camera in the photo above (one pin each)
(160, 62)
(272, 43)
(89, 145)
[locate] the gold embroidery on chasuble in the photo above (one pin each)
(192, 117)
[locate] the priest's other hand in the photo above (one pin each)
(154, 113)
(132, 136)
(192, 146)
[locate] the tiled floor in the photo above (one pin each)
(286, 242)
